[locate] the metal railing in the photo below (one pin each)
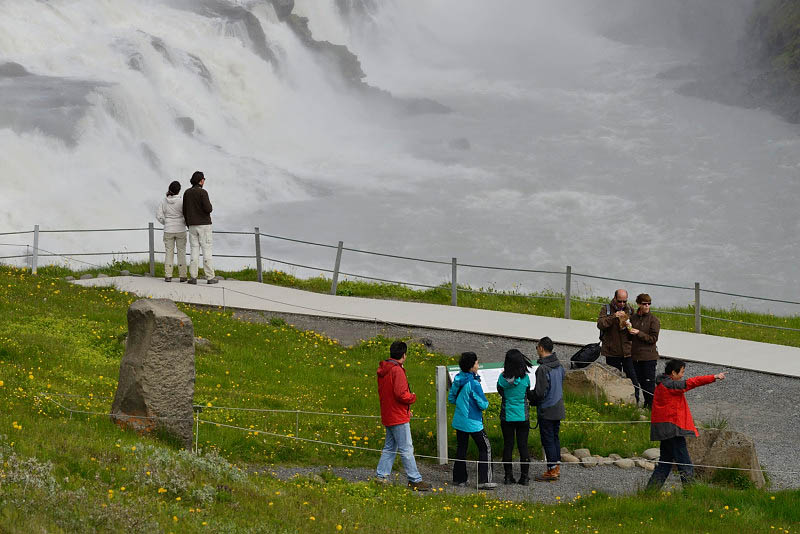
(34, 252)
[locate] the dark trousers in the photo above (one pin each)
(548, 432)
(673, 451)
(484, 456)
(625, 365)
(646, 374)
(515, 431)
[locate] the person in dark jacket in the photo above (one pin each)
(197, 213)
(396, 400)
(613, 321)
(548, 396)
(644, 334)
(671, 421)
(513, 385)
(467, 394)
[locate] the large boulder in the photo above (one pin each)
(725, 448)
(156, 375)
(595, 379)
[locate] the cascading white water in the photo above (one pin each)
(563, 147)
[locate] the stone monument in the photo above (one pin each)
(156, 375)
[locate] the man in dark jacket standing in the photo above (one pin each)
(548, 396)
(396, 400)
(197, 212)
(614, 325)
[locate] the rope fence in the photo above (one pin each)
(347, 446)
(37, 252)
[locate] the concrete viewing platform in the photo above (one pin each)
(730, 352)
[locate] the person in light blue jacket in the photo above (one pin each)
(467, 394)
(513, 385)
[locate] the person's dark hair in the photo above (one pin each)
(546, 343)
(174, 189)
(397, 350)
(467, 361)
(516, 364)
(643, 297)
(196, 178)
(674, 365)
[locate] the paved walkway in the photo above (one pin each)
(776, 359)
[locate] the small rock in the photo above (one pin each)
(102, 275)
(640, 462)
(202, 344)
(589, 461)
(614, 456)
(567, 458)
(652, 454)
(649, 466)
(125, 272)
(69, 278)
(624, 463)
(582, 453)
(218, 277)
(565, 450)
(605, 461)
(87, 277)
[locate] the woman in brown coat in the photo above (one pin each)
(644, 335)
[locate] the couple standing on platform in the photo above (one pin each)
(194, 211)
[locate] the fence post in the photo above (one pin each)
(697, 326)
(35, 260)
(335, 280)
(454, 286)
(568, 294)
(152, 234)
(441, 413)
(258, 255)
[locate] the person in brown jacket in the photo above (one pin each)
(613, 322)
(644, 334)
(197, 213)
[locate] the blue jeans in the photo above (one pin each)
(548, 432)
(672, 450)
(398, 440)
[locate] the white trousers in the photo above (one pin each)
(170, 240)
(200, 238)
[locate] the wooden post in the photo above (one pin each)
(152, 234)
(35, 259)
(568, 294)
(697, 325)
(335, 281)
(454, 285)
(259, 272)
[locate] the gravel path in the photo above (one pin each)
(763, 406)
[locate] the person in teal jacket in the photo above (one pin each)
(467, 394)
(513, 385)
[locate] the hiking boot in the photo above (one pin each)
(168, 279)
(509, 474)
(509, 479)
(487, 486)
(460, 484)
(183, 278)
(193, 281)
(551, 475)
(524, 479)
(212, 281)
(419, 486)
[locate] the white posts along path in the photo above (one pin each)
(738, 353)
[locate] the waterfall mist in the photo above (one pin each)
(565, 144)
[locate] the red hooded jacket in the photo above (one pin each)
(396, 398)
(671, 416)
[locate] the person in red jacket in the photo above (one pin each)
(671, 421)
(396, 400)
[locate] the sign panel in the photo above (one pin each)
(489, 373)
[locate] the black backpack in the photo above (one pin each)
(586, 355)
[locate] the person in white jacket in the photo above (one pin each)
(170, 214)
